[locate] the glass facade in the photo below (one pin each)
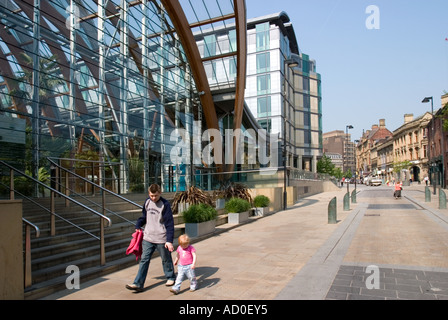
(284, 90)
(108, 82)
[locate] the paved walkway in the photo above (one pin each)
(296, 254)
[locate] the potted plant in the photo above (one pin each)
(261, 204)
(193, 195)
(238, 210)
(200, 219)
(230, 190)
(220, 200)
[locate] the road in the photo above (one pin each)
(407, 238)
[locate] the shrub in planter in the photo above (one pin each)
(199, 219)
(261, 203)
(238, 210)
(237, 205)
(199, 213)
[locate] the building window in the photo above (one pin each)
(264, 84)
(307, 137)
(210, 46)
(265, 124)
(264, 106)
(232, 68)
(262, 36)
(263, 62)
(306, 119)
(232, 40)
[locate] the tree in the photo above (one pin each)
(324, 165)
(338, 174)
(444, 117)
(399, 166)
(348, 174)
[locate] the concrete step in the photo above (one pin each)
(70, 246)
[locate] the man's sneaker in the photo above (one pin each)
(169, 283)
(134, 287)
(174, 291)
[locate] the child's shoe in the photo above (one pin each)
(174, 291)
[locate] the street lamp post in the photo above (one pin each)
(433, 181)
(356, 163)
(346, 152)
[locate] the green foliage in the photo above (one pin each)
(237, 205)
(261, 201)
(348, 174)
(444, 116)
(199, 213)
(338, 173)
(324, 165)
(136, 169)
(398, 166)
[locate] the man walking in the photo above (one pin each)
(158, 234)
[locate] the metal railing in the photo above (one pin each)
(94, 185)
(252, 178)
(104, 220)
(28, 281)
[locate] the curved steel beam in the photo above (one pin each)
(8, 75)
(241, 61)
(18, 52)
(182, 27)
(50, 13)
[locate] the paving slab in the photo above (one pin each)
(296, 255)
(250, 261)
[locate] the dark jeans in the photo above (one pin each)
(148, 249)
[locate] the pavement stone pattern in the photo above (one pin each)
(296, 255)
(351, 283)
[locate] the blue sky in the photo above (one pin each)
(373, 74)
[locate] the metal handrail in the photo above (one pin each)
(36, 228)
(73, 192)
(92, 183)
(27, 272)
(54, 213)
(103, 218)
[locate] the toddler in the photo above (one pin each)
(186, 257)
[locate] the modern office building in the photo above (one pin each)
(283, 89)
(109, 82)
(104, 97)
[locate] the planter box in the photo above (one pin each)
(261, 211)
(236, 218)
(200, 229)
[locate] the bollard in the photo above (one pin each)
(442, 199)
(354, 196)
(332, 211)
(347, 202)
(427, 194)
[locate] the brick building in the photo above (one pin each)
(366, 149)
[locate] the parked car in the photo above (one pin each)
(373, 181)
